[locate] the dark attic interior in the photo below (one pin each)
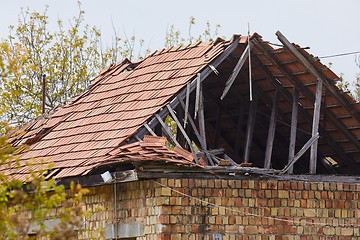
(265, 106)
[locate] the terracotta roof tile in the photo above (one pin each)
(117, 104)
(151, 149)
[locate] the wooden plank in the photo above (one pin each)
(250, 44)
(182, 130)
(271, 132)
(250, 129)
(196, 132)
(294, 120)
(315, 126)
(187, 102)
(212, 152)
(167, 131)
(180, 137)
(193, 126)
(149, 130)
(236, 70)
(306, 146)
(202, 126)
(126, 176)
(197, 95)
(204, 73)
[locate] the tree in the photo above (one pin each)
(25, 205)
(174, 37)
(69, 57)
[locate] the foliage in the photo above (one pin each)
(357, 79)
(173, 37)
(23, 207)
(69, 57)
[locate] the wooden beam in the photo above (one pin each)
(179, 112)
(182, 130)
(193, 126)
(196, 132)
(294, 120)
(167, 131)
(212, 152)
(326, 137)
(271, 132)
(308, 94)
(149, 129)
(236, 70)
(204, 74)
(315, 126)
(202, 126)
(187, 102)
(306, 146)
(250, 129)
(354, 112)
(226, 112)
(197, 95)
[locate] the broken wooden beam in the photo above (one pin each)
(182, 130)
(236, 70)
(315, 126)
(250, 129)
(271, 132)
(167, 131)
(300, 153)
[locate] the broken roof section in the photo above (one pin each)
(205, 88)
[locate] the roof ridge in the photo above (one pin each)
(182, 46)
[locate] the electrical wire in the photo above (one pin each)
(327, 56)
(340, 54)
(251, 214)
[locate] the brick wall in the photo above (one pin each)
(232, 209)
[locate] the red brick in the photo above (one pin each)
(251, 230)
(165, 236)
(324, 195)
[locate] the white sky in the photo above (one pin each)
(326, 26)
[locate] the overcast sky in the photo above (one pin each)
(326, 26)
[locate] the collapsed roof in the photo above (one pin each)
(282, 110)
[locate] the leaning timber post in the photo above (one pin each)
(315, 126)
(294, 119)
(250, 128)
(271, 132)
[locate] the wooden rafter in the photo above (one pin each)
(204, 74)
(354, 112)
(285, 92)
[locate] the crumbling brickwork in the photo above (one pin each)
(233, 209)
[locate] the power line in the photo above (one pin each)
(341, 54)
